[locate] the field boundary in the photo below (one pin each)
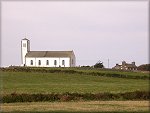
(65, 97)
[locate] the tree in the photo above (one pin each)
(99, 64)
(144, 67)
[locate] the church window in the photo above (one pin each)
(47, 62)
(72, 61)
(31, 62)
(24, 44)
(63, 62)
(55, 62)
(39, 62)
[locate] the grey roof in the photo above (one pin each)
(25, 39)
(130, 65)
(49, 54)
(127, 65)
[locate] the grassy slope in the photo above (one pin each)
(21, 82)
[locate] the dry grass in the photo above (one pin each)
(89, 106)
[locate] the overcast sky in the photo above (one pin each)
(93, 30)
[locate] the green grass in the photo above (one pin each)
(32, 82)
(97, 70)
(61, 82)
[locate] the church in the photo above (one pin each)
(45, 58)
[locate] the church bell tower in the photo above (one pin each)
(25, 48)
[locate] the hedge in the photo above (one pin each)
(14, 97)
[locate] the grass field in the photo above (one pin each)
(32, 82)
(64, 81)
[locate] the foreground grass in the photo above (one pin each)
(76, 112)
(32, 82)
(78, 107)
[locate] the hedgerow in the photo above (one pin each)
(14, 97)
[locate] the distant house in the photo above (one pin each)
(46, 58)
(126, 66)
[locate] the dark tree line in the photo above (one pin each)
(144, 67)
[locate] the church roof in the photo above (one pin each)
(130, 65)
(49, 54)
(25, 39)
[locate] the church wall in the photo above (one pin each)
(28, 61)
(73, 61)
(43, 62)
(67, 62)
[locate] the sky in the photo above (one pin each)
(94, 30)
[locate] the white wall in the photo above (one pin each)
(73, 60)
(24, 50)
(51, 62)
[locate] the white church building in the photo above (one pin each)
(45, 58)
